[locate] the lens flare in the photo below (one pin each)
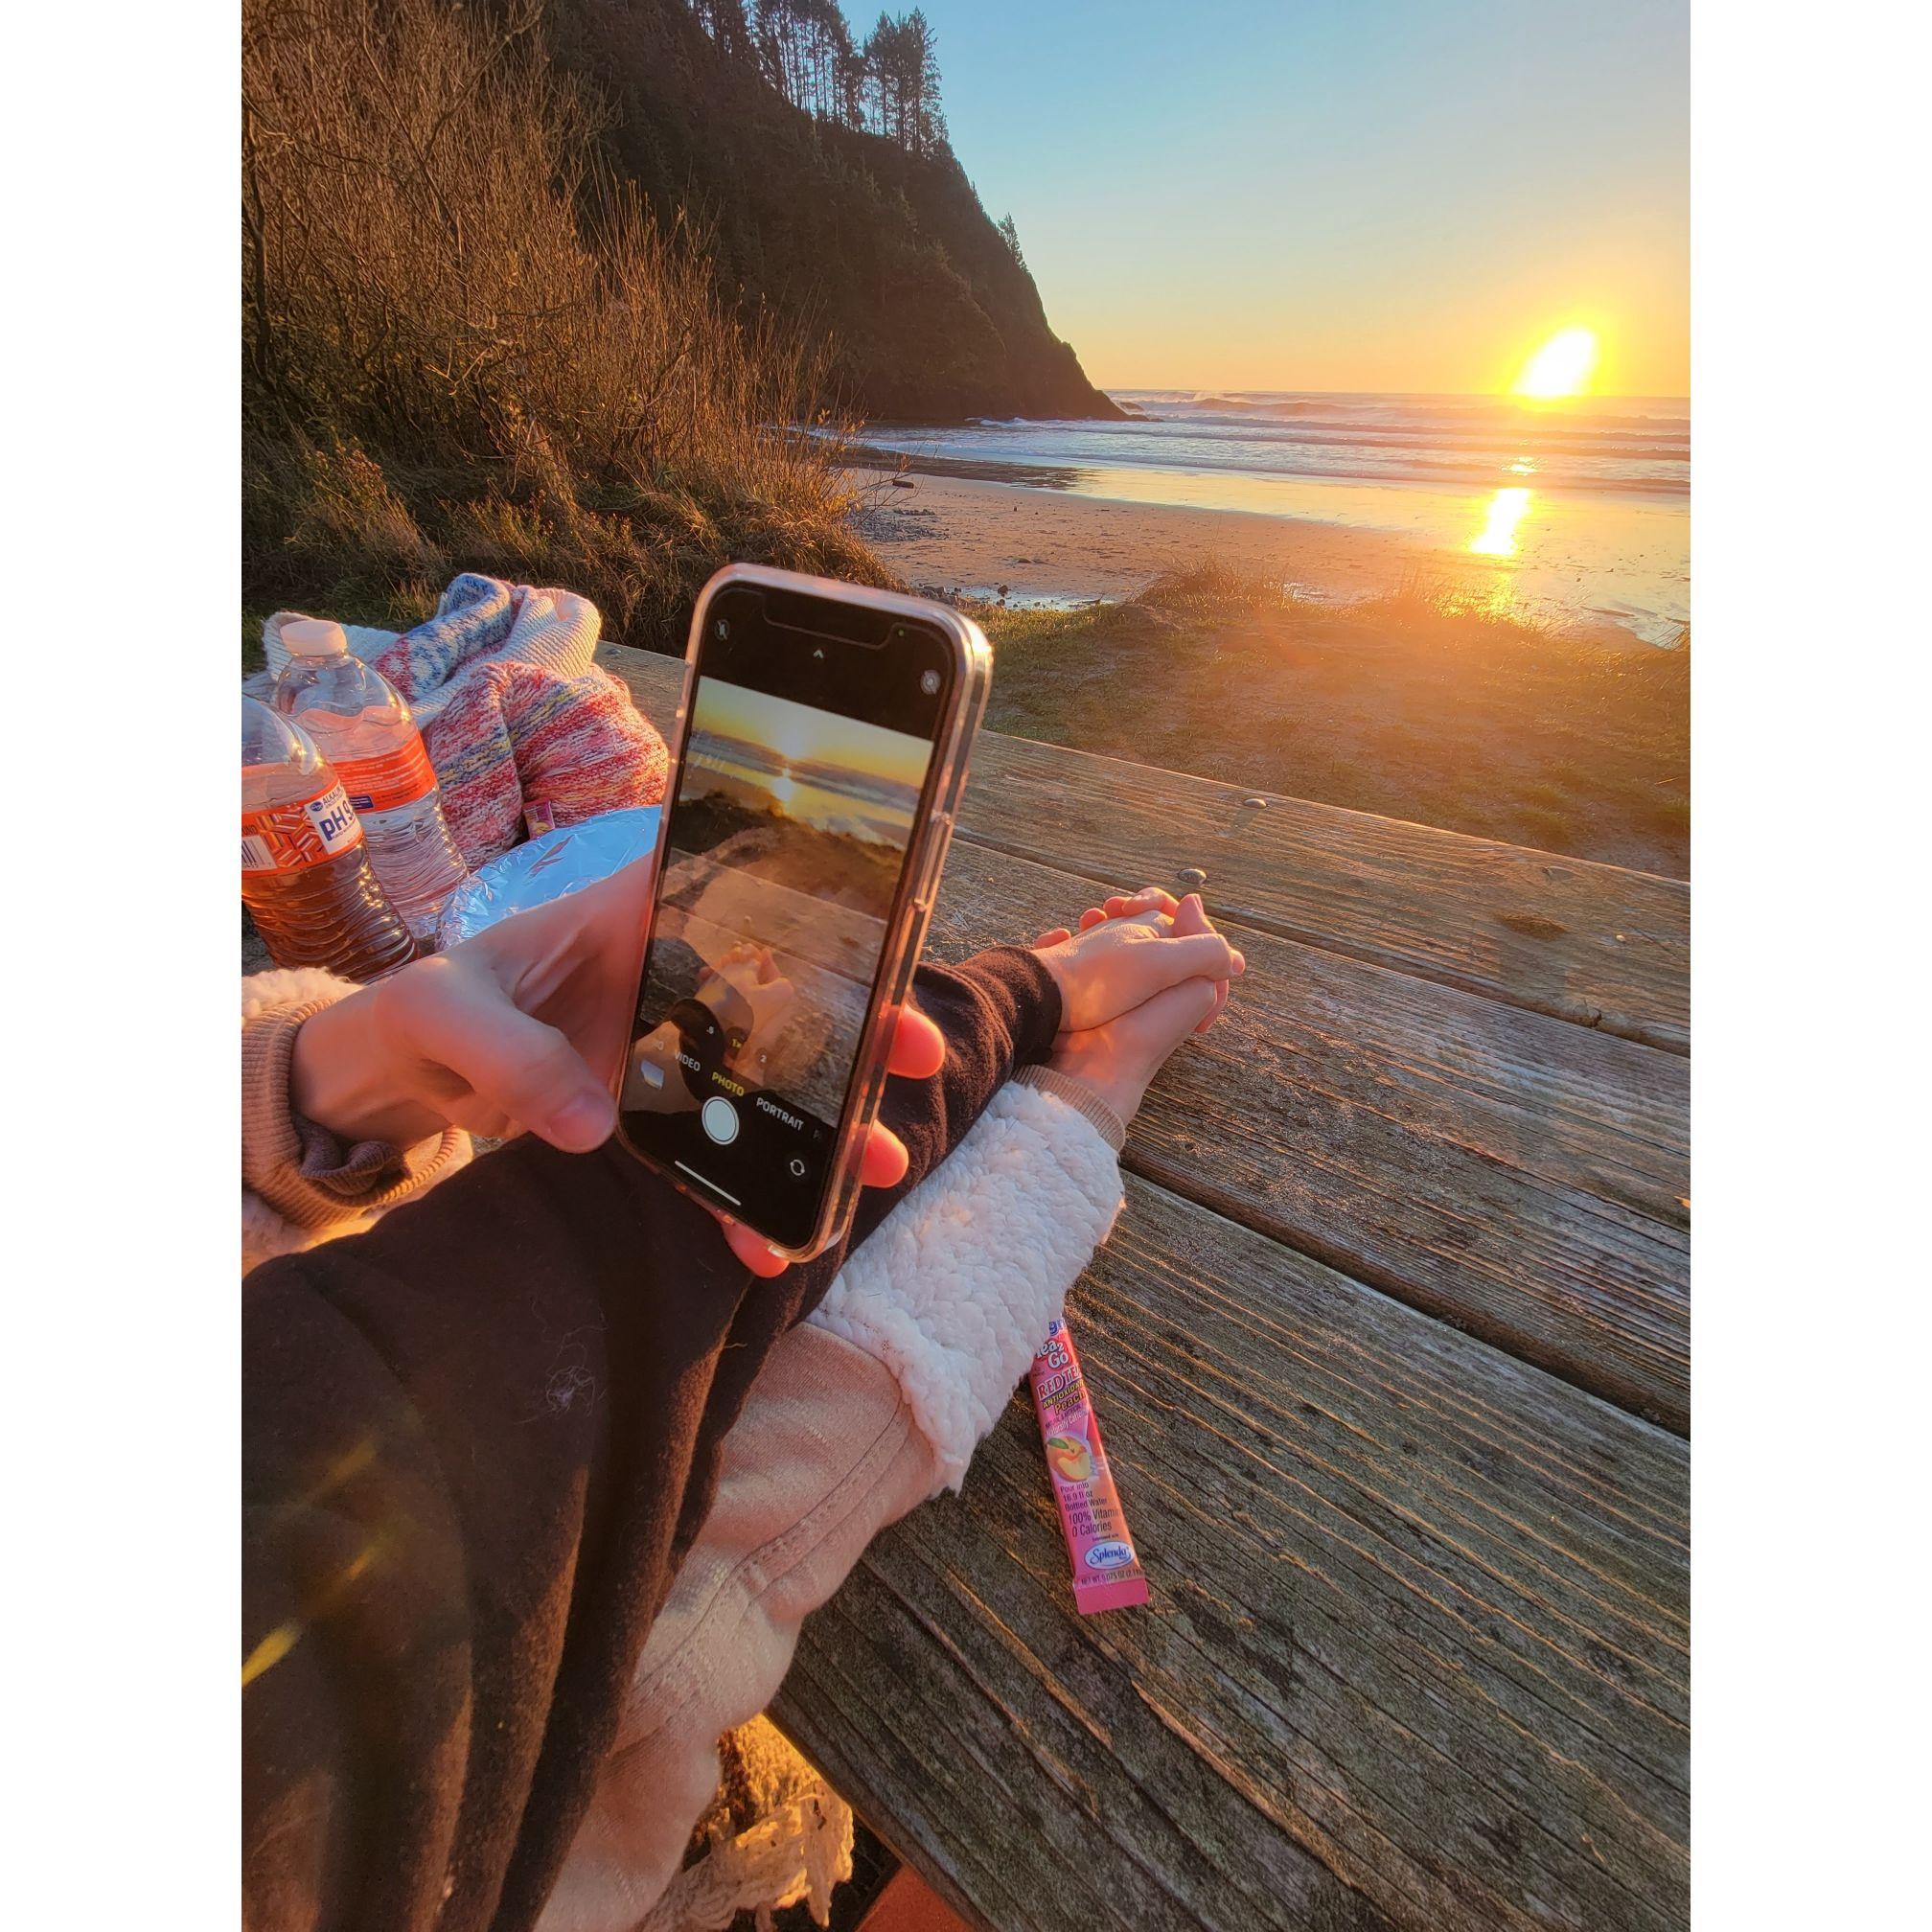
(1562, 367)
(1497, 538)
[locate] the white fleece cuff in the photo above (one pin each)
(954, 1290)
(291, 986)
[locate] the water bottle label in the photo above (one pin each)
(395, 779)
(304, 831)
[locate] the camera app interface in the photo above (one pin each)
(787, 841)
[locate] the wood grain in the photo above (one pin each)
(1595, 945)
(1418, 1652)
(1522, 1178)
(1518, 1175)
(1415, 1654)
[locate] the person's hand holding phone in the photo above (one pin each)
(522, 1028)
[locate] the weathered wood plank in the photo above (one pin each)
(654, 679)
(1522, 1178)
(1419, 1626)
(1588, 943)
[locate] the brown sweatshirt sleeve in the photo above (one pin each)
(476, 1442)
(300, 1170)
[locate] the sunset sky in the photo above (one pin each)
(1337, 194)
(803, 735)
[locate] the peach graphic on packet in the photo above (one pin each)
(1069, 1458)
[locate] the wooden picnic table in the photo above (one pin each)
(1391, 1348)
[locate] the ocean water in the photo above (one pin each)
(1569, 511)
(834, 797)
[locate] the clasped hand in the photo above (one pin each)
(523, 1027)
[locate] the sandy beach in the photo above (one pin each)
(1043, 546)
(964, 535)
(1366, 688)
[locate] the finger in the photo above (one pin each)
(519, 1066)
(1193, 955)
(1149, 899)
(754, 1250)
(1220, 1004)
(918, 1048)
(1191, 916)
(1194, 995)
(1151, 1032)
(1059, 936)
(1136, 904)
(885, 1161)
(1133, 912)
(1095, 916)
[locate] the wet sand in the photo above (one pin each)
(965, 536)
(960, 534)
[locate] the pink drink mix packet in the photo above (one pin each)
(1106, 1571)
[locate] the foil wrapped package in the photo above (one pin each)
(548, 867)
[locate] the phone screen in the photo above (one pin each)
(806, 770)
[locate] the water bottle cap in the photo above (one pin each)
(314, 637)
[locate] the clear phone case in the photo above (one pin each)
(925, 860)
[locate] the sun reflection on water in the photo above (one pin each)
(1507, 511)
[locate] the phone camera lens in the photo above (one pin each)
(928, 683)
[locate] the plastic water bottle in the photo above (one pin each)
(363, 727)
(306, 876)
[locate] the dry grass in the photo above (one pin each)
(1406, 706)
(466, 345)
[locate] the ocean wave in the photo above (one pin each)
(1618, 446)
(1504, 440)
(1421, 410)
(1300, 406)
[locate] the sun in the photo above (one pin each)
(1562, 367)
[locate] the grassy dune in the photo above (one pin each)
(1405, 705)
(467, 345)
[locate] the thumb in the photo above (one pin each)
(523, 1069)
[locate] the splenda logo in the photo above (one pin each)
(1108, 1555)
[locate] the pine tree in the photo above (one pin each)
(804, 48)
(926, 131)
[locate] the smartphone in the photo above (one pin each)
(822, 751)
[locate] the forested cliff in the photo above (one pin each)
(819, 171)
